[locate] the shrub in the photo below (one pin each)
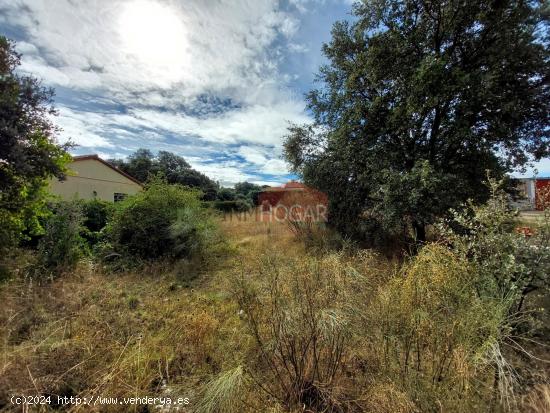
(62, 244)
(300, 314)
(435, 332)
(162, 221)
(509, 264)
(195, 236)
(96, 215)
(317, 236)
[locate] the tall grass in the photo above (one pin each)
(278, 328)
(436, 335)
(223, 393)
(330, 331)
(301, 317)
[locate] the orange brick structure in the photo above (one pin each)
(294, 201)
(542, 191)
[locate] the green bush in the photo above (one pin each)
(96, 215)
(510, 265)
(62, 244)
(163, 221)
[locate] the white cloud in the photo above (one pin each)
(298, 48)
(226, 174)
(253, 155)
(254, 124)
(151, 62)
(269, 183)
(275, 167)
(189, 47)
(80, 129)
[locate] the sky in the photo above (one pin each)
(215, 81)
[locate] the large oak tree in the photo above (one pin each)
(418, 99)
(29, 153)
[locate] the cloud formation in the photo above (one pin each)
(215, 81)
(204, 79)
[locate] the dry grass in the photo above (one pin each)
(136, 334)
(537, 400)
(252, 238)
(411, 338)
(119, 336)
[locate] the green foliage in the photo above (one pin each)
(162, 221)
(510, 264)
(96, 215)
(226, 194)
(248, 191)
(240, 198)
(415, 198)
(62, 245)
(194, 232)
(417, 100)
(143, 165)
(29, 154)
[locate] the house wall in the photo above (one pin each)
(526, 192)
(91, 175)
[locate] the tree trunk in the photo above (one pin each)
(419, 231)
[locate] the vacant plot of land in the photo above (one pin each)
(167, 331)
(127, 335)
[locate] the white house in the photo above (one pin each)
(90, 177)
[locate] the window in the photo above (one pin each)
(120, 196)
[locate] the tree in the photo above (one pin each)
(226, 194)
(172, 165)
(249, 191)
(29, 153)
(418, 100)
(142, 165)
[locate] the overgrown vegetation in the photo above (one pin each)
(163, 222)
(282, 329)
(62, 244)
(418, 99)
(29, 153)
(443, 330)
(510, 264)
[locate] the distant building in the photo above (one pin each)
(294, 201)
(531, 191)
(90, 177)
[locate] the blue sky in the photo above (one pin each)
(215, 81)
